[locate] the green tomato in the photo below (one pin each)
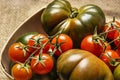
(116, 73)
(24, 38)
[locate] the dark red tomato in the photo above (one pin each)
(118, 51)
(42, 64)
(117, 39)
(110, 28)
(89, 45)
(62, 43)
(18, 52)
(109, 57)
(21, 72)
(39, 41)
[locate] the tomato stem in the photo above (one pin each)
(74, 13)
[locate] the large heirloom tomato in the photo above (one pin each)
(82, 65)
(59, 16)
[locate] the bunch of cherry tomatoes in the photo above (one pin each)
(36, 55)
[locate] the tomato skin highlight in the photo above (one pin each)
(21, 73)
(66, 41)
(42, 66)
(17, 54)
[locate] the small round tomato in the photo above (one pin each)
(62, 43)
(20, 71)
(117, 39)
(110, 58)
(110, 28)
(42, 64)
(18, 52)
(89, 45)
(39, 41)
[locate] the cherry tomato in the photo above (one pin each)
(109, 57)
(21, 72)
(117, 40)
(42, 64)
(118, 51)
(18, 52)
(110, 27)
(62, 43)
(89, 45)
(38, 41)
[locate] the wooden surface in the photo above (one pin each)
(14, 12)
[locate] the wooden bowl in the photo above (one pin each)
(32, 24)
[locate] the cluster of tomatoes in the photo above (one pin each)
(106, 45)
(36, 54)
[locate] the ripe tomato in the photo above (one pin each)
(42, 64)
(110, 27)
(62, 42)
(118, 51)
(21, 72)
(117, 41)
(109, 57)
(38, 41)
(89, 45)
(18, 52)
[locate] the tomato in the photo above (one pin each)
(95, 48)
(59, 15)
(42, 64)
(52, 75)
(116, 39)
(109, 57)
(24, 38)
(116, 73)
(21, 72)
(39, 41)
(76, 64)
(62, 42)
(18, 52)
(111, 28)
(118, 51)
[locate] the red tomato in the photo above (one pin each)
(117, 41)
(18, 52)
(38, 41)
(109, 57)
(118, 51)
(21, 72)
(89, 45)
(62, 42)
(110, 26)
(42, 65)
